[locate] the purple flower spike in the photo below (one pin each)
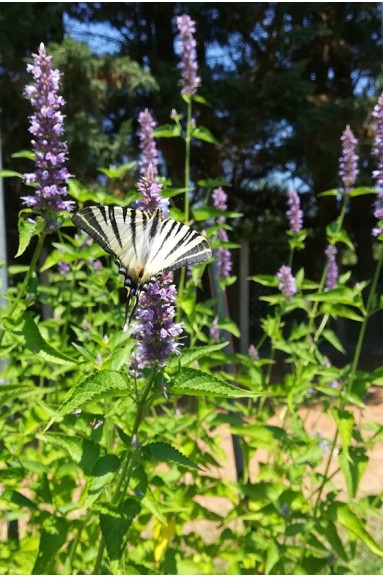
(377, 175)
(332, 267)
(46, 126)
(149, 153)
(155, 328)
(287, 283)
(222, 254)
(151, 194)
(294, 214)
(189, 67)
(348, 162)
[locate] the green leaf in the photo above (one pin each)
(202, 133)
(6, 173)
(102, 474)
(162, 452)
(97, 386)
(82, 451)
(327, 529)
(25, 154)
(266, 280)
(336, 235)
(353, 464)
(53, 536)
(206, 212)
(36, 343)
(345, 422)
(359, 191)
(114, 172)
(195, 382)
(114, 526)
(340, 311)
(341, 513)
(167, 131)
(229, 325)
(330, 193)
(152, 505)
(332, 338)
(272, 556)
(192, 354)
(27, 230)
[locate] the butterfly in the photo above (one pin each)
(142, 245)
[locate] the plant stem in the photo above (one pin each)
(25, 283)
(124, 478)
(186, 195)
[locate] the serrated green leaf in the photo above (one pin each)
(4, 173)
(35, 342)
(53, 536)
(202, 133)
(96, 386)
(27, 230)
(163, 452)
(82, 451)
(195, 382)
(341, 513)
(102, 474)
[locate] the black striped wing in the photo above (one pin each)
(139, 242)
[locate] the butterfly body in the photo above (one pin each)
(143, 245)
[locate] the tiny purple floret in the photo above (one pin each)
(294, 214)
(189, 68)
(287, 283)
(348, 162)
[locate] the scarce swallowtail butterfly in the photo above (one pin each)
(142, 245)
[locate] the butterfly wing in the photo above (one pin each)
(175, 245)
(118, 230)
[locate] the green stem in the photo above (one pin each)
(181, 284)
(124, 478)
(24, 285)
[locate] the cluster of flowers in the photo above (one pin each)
(50, 177)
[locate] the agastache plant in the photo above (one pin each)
(154, 327)
(223, 255)
(149, 153)
(348, 162)
(332, 267)
(50, 176)
(287, 284)
(189, 68)
(294, 214)
(378, 153)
